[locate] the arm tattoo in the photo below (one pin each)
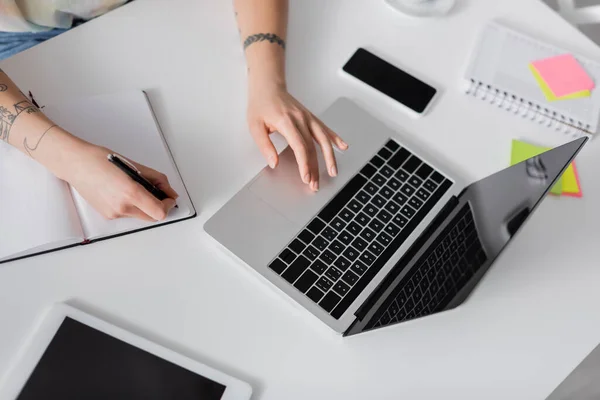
(261, 37)
(34, 148)
(7, 117)
(3, 87)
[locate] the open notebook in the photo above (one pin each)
(40, 213)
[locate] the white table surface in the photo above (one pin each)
(530, 321)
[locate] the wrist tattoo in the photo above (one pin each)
(8, 118)
(261, 37)
(30, 149)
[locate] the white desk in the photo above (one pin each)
(531, 320)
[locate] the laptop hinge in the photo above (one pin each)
(406, 258)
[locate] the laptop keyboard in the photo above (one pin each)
(438, 276)
(339, 252)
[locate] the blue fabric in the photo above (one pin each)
(12, 43)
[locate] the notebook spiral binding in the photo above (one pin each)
(527, 109)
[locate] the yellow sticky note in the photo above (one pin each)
(548, 93)
(521, 151)
(571, 184)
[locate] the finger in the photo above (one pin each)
(325, 142)
(134, 212)
(298, 144)
(259, 132)
(158, 179)
(150, 205)
(334, 137)
(313, 164)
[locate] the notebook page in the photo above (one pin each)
(501, 60)
(36, 208)
(124, 123)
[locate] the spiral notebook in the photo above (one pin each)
(499, 73)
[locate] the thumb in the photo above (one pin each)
(263, 141)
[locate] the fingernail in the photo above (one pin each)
(306, 178)
(333, 170)
(271, 162)
(344, 144)
(315, 186)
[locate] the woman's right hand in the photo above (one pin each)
(110, 191)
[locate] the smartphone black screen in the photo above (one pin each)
(390, 80)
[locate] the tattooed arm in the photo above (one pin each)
(80, 163)
(263, 26)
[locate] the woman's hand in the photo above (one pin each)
(272, 109)
(109, 190)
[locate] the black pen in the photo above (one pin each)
(136, 175)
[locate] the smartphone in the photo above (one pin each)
(413, 94)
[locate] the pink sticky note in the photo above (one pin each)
(563, 75)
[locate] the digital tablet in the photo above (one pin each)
(73, 355)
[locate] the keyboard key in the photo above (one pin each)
(392, 229)
(415, 203)
(306, 281)
(387, 171)
(377, 161)
(343, 197)
(338, 224)
(333, 273)
(306, 236)
(437, 177)
(407, 189)
(360, 244)
(378, 201)
(363, 197)
(341, 288)
(386, 193)
(320, 243)
(376, 248)
(384, 239)
(400, 198)
(297, 246)
(424, 171)
(400, 221)
(354, 206)
(412, 164)
(345, 237)
(394, 184)
(363, 219)
(318, 266)
(422, 194)
(287, 256)
(328, 257)
(368, 170)
(379, 180)
(296, 269)
(384, 153)
(407, 212)
(376, 225)
(384, 216)
(392, 207)
(359, 268)
(368, 235)
(371, 188)
(371, 210)
(392, 145)
(350, 278)
(324, 284)
(315, 294)
(316, 226)
(329, 301)
(415, 181)
(311, 253)
(398, 159)
(430, 185)
(342, 263)
(346, 215)
(367, 258)
(278, 266)
(351, 254)
(354, 228)
(401, 176)
(336, 247)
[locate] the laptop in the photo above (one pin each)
(396, 236)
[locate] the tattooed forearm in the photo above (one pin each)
(7, 117)
(30, 149)
(261, 37)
